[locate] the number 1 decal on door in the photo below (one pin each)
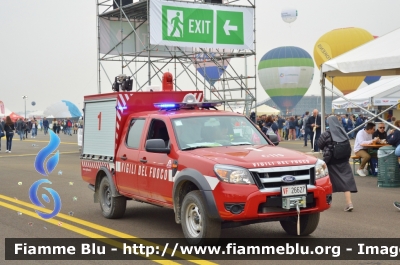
(99, 117)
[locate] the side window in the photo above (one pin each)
(158, 130)
(134, 133)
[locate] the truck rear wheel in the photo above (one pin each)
(308, 224)
(111, 207)
(197, 227)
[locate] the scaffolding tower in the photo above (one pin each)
(123, 47)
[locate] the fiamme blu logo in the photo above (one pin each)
(45, 167)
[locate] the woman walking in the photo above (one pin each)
(340, 172)
(9, 129)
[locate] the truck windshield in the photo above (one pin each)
(210, 131)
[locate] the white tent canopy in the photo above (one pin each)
(379, 57)
(385, 92)
(265, 109)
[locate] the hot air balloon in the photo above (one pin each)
(289, 15)
(205, 65)
(335, 43)
(286, 74)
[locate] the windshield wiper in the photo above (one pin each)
(196, 147)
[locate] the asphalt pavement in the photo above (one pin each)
(373, 217)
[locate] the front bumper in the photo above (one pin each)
(267, 203)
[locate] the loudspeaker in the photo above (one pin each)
(124, 3)
(127, 84)
(115, 85)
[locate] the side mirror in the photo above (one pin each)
(273, 138)
(156, 146)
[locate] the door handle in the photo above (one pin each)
(124, 157)
(143, 160)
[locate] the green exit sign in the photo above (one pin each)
(201, 25)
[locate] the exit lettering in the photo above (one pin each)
(199, 26)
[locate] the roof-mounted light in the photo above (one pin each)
(189, 99)
(189, 102)
(167, 106)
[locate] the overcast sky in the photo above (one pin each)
(49, 46)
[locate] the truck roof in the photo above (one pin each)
(186, 113)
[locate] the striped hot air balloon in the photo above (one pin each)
(286, 74)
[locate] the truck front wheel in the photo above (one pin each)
(308, 224)
(197, 227)
(111, 207)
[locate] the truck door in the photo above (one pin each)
(157, 165)
(127, 164)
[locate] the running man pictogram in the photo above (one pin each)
(176, 22)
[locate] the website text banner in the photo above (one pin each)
(188, 24)
(222, 249)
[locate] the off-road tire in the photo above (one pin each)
(111, 207)
(197, 226)
(308, 224)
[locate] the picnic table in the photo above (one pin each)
(372, 149)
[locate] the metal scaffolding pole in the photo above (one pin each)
(140, 52)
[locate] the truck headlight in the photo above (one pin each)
(232, 174)
(321, 169)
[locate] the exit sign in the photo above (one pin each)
(200, 25)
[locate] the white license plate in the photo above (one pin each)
(293, 190)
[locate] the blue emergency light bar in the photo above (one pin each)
(167, 106)
(189, 102)
(186, 105)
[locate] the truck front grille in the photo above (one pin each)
(272, 177)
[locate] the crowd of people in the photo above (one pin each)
(339, 128)
(307, 127)
(24, 127)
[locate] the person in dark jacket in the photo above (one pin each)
(340, 172)
(394, 138)
(281, 123)
(1, 130)
(292, 128)
(45, 125)
(20, 128)
(9, 131)
(28, 127)
(269, 123)
(380, 131)
(359, 121)
(314, 125)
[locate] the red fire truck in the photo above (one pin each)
(215, 169)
